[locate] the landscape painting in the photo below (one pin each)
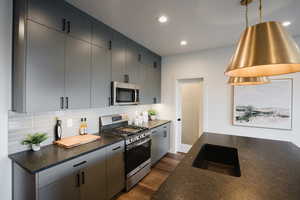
(266, 106)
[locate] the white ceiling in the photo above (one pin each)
(203, 23)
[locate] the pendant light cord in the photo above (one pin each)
(260, 11)
(247, 20)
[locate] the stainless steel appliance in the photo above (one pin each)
(124, 93)
(137, 146)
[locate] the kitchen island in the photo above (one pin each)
(270, 170)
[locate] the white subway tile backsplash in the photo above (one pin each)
(22, 124)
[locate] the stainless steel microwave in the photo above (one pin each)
(125, 93)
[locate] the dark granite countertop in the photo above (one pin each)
(270, 170)
(52, 155)
(155, 123)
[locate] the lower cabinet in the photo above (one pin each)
(98, 175)
(115, 169)
(62, 189)
(160, 142)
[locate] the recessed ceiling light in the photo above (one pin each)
(183, 43)
(286, 23)
(163, 19)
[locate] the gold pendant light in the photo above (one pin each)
(265, 49)
(240, 81)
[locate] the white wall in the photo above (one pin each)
(210, 65)
(5, 67)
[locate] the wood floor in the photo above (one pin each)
(159, 173)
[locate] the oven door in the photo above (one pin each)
(124, 94)
(138, 155)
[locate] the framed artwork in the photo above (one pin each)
(264, 106)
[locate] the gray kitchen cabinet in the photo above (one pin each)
(44, 79)
(151, 78)
(115, 169)
(47, 12)
(93, 184)
(133, 62)
(54, 62)
(79, 24)
(81, 178)
(160, 142)
(101, 34)
(118, 57)
(78, 73)
(62, 189)
(100, 77)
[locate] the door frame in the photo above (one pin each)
(178, 113)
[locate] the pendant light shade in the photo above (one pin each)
(236, 81)
(265, 49)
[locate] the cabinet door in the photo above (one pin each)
(101, 77)
(166, 138)
(133, 64)
(78, 65)
(47, 12)
(146, 84)
(79, 24)
(101, 35)
(155, 73)
(118, 57)
(44, 68)
(115, 169)
(62, 189)
(93, 177)
(156, 146)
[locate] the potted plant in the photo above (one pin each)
(35, 140)
(153, 114)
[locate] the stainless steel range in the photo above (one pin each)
(138, 146)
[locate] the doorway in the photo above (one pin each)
(189, 113)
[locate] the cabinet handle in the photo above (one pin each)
(165, 133)
(110, 45)
(109, 101)
(119, 147)
(126, 78)
(67, 102)
(62, 103)
(78, 164)
(83, 178)
(78, 180)
(64, 25)
(69, 26)
(154, 100)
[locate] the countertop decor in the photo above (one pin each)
(269, 170)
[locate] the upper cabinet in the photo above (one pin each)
(77, 74)
(119, 43)
(101, 35)
(133, 62)
(44, 78)
(47, 12)
(66, 59)
(78, 24)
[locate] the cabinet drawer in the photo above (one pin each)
(67, 168)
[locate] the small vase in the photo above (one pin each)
(36, 147)
(153, 117)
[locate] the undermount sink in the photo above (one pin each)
(218, 159)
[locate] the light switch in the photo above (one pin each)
(69, 123)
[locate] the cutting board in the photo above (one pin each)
(74, 141)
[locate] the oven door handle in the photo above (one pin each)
(138, 144)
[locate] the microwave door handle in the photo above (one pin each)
(135, 96)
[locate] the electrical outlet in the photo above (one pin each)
(69, 123)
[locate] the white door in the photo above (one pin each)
(189, 113)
